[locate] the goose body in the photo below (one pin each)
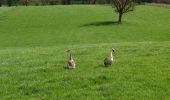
(70, 63)
(109, 59)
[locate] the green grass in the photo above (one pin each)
(34, 40)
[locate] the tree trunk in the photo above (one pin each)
(0, 3)
(26, 3)
(120, 18)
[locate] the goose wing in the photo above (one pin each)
(107, 61)
(71, 64)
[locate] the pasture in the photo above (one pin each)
(34, 40)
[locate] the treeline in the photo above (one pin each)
(67, 2)
(154, 1)
(51, 2)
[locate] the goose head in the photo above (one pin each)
(112, 49)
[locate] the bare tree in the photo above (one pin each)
(123, 6)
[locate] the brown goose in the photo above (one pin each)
(70, 63)
(109, 59)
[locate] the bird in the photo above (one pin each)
(70, 63)
(109, 59)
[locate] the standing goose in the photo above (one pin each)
(109, 59)
(70, 63)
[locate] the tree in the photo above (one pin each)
(9, 3)
(25, 2)
(123, 6)
(0, 3)
(68, 2)
(15, 2)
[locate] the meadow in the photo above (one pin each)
(34, 40)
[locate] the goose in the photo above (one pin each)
(109, 59)
(70, 63)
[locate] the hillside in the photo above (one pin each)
(34, 40)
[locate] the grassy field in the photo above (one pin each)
(34, 40)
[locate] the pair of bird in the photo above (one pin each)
(107, 61)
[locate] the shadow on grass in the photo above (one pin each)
(103, 23)
(102, 66)
(99, 66)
